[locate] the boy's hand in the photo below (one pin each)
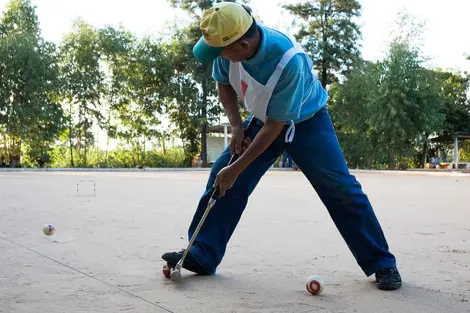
(268, 133)
(239, 143)
(225, 179)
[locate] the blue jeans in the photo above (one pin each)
(286, 160)
(317, 153)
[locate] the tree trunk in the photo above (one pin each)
(204, 144)
(425, 152)
(106, 150)
(187, 155)
(70, 138)
(79, 138)
(369, 163)
(324, 73)
(71, 148)
(204, 125)
(324, 70)
(163, 145)
(391, 160)
(3, 150)
(15, 153)
(143, 158)
(85, 141)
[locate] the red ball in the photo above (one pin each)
(166, 271)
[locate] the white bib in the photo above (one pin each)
(255, 95)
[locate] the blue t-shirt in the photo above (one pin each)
(298, 95)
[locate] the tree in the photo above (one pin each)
(330, 34)
(196, 101)
(386, 111)
(351, 109)
(409, 102)
(116, 83)
(30, 113)
(184, 106)
(139, 72)
(124, 118)
(453, 90)
(83, 81)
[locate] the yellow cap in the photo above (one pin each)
(221, 25)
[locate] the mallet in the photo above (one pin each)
(175, 273)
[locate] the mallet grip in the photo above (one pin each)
(216, 192)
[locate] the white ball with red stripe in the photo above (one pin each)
(166, 271)
(315, 285)
(48, 229)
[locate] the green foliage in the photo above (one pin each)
(465, 151)
(20, 16)
(330, 34)
(123, 158)
(453, 90)
(82, 86)
(29, 105)
(55, 100)
(385, 112)
(193, 105)
(351, 109)
(388, 109)
(136, 88)
(409, 102)
(184, 100)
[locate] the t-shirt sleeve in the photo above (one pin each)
(286, 100)
(220, 70)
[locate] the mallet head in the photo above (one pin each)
(175, 274)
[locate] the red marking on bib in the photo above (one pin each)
(243, 86)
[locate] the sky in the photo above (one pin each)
(445, 34)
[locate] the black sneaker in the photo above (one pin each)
(388, 279)
(190, 264)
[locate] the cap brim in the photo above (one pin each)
(205, 53)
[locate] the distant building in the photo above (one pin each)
(218, 137)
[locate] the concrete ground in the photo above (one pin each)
(105, 254)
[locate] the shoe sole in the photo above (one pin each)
(389, 287)
(171, 262)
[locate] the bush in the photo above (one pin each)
(464, 152)
(119, 158)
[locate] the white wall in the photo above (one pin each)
(215, 146)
